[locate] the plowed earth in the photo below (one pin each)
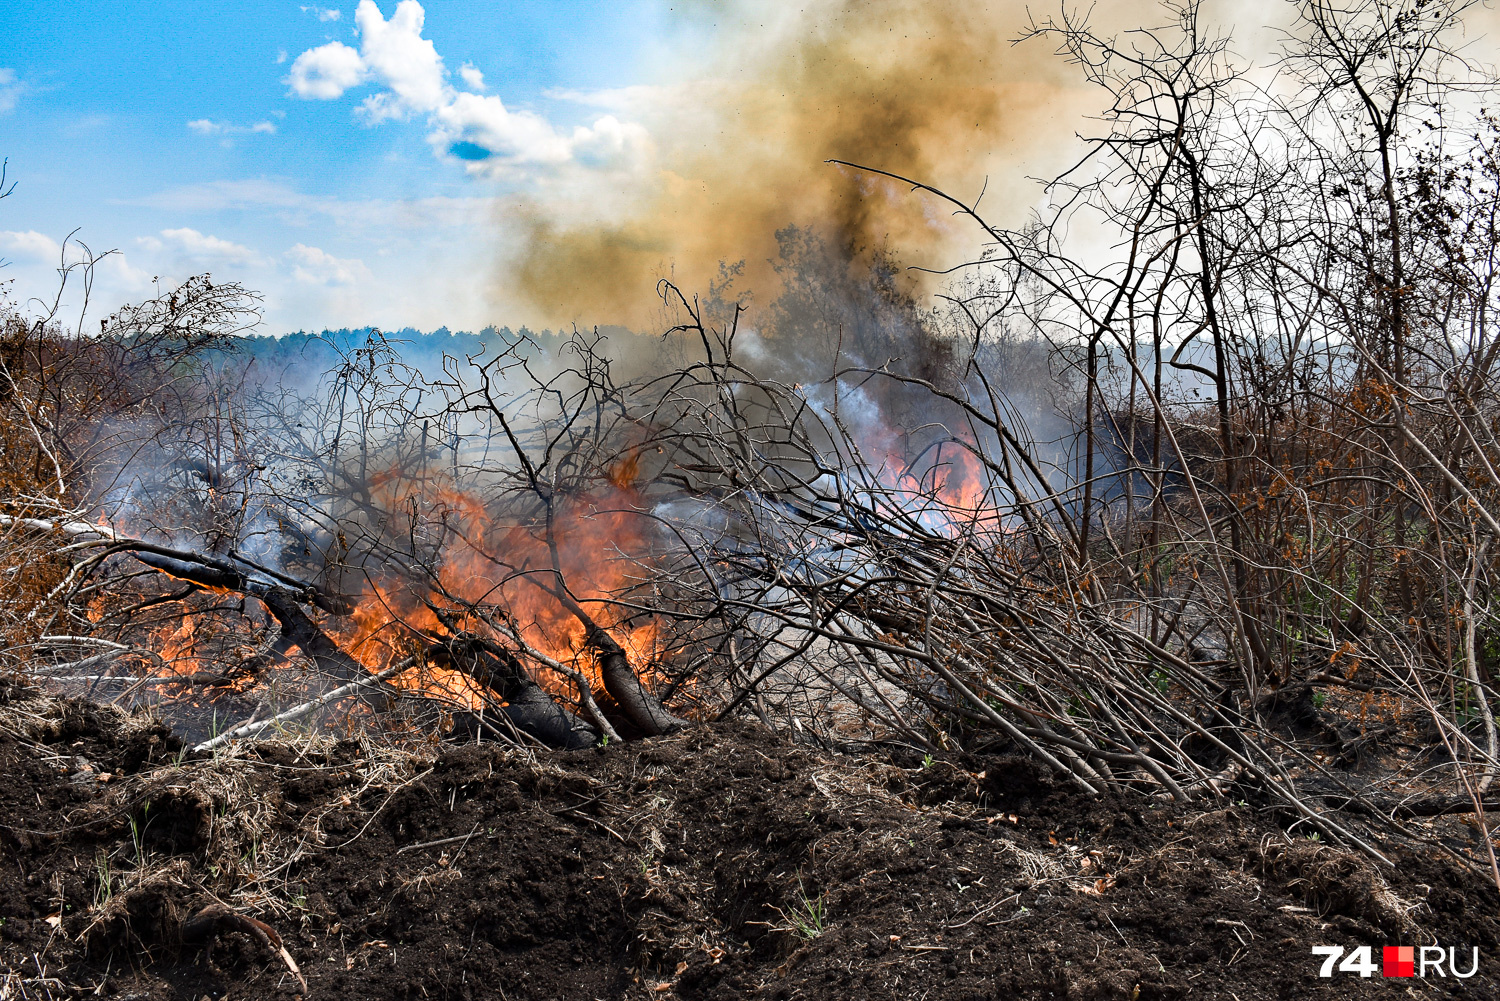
(723, 862)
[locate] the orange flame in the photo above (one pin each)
(950, 494)
(178, 646)
(506, 571)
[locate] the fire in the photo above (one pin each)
(177, 648)
(195, 643)
(496, 579)
(496, 576)
(948, 492)
(507, 574)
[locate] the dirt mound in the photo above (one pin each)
(721, 862)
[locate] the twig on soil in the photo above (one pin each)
(573, 811)
(440, 841)
(383, 803)
(297, 712)
(981, 913)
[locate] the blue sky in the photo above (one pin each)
(222, 138)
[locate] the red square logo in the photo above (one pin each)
(1399, 961)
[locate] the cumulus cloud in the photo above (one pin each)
(39, 248)
(326, 72)
(37, 258)
(207, 127)
(476, 129)
(323, 13)
(199, 247)
(130, 281)
(314, 266)
(396, 54)
(30, 245)
(609, 141)
(11, 89)
(473, 78)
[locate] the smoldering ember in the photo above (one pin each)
(894, 577)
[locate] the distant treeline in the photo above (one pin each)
(324, 350)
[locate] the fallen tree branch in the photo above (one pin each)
(216, 917)
(312, 705)
(528, 707)
(203, 569)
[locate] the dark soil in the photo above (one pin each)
(722, 862)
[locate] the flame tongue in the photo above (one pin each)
(495, 580)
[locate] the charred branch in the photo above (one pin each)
(526, 705)
(202, 569)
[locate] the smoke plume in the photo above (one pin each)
(931, 90)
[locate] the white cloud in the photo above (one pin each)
(395, 52)
(419, 262)
(207, 127)
(127, 281)
(39, 248)
(313, 266)
(472, 76)
(31, 245)
(609, 141)
(485, 123)
(11, 89)
(323, 13)
(37, 258)
(476, 129)
(200, 248)
(326, 72)
(212, 196)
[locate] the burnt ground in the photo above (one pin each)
(721, 862)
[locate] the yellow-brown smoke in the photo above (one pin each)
(930, 89)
